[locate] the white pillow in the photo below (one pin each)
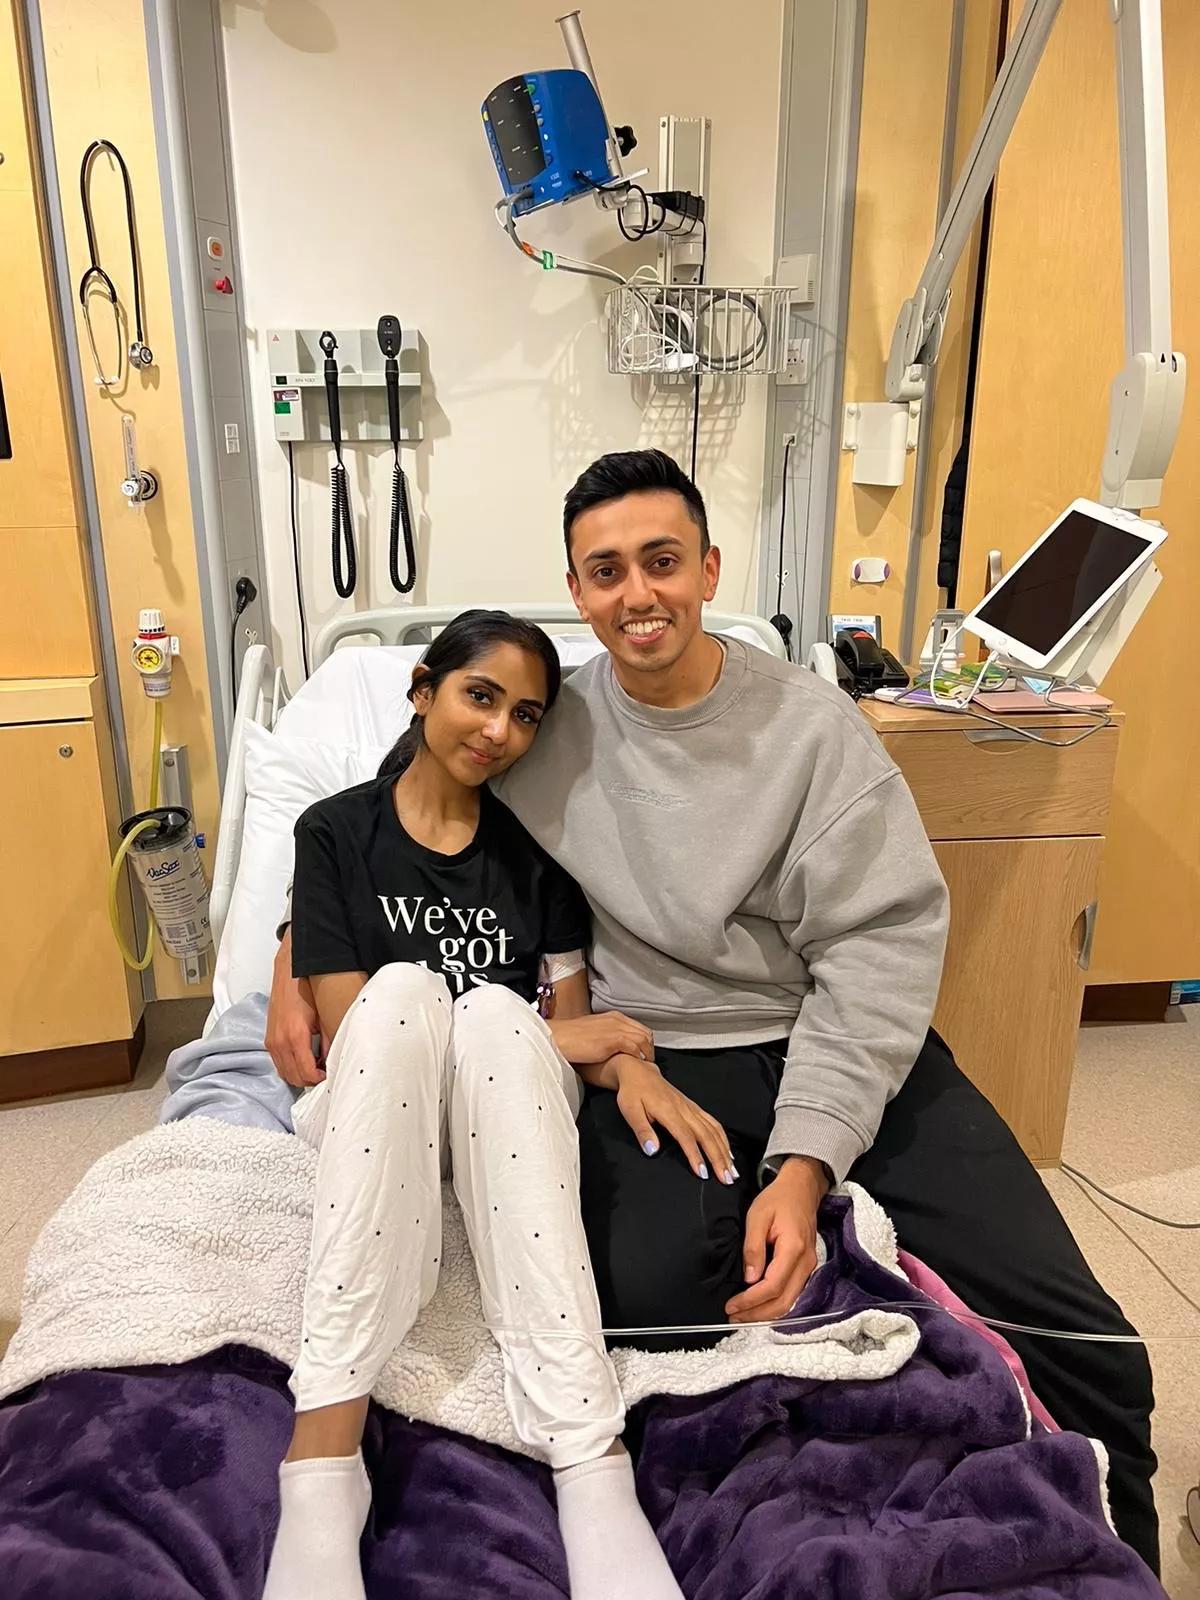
(574, 649)
(746, 635)
(284, 776)
(358, 696)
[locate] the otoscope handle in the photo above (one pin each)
(332, 401)
(329, 344)
(391, 375)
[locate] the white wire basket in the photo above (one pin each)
(687, 329)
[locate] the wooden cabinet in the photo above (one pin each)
(1013, 986)
(61, 977)
(1018, 829)
(987, 783)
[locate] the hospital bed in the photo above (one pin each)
(156, 1482)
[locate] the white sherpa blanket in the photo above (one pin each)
(195, 1235)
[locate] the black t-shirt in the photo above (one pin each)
(367, 894)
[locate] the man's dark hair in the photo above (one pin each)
(628, 472)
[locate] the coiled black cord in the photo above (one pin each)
(345, 559)
(751, 349)
(401, 519)
(781, 622)
(696, 379)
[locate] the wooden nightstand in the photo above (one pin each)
(1018, 830)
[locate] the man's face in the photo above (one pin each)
(639, 578)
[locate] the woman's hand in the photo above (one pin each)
(591, 1039)
(291, 1023)
(647, 1100)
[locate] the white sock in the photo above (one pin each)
(605, 1533)
(323, 1507)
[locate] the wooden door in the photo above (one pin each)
(45, 626)
(1051, 343)
(61, 975)
(1010, 1002)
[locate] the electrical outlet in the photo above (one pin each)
(788, 438)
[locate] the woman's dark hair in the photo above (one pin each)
(628, 472)
(462, 642)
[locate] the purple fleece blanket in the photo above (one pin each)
(158, 1483)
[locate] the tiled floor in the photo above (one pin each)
(1134, 1126)
(47, 1145)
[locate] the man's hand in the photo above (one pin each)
(291, 1023)
(646, 1100)
(589, 1040)
(783, 1220)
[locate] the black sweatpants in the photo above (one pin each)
(667, 1248)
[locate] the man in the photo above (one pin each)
(765, 900)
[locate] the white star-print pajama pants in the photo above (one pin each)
(418, 1084)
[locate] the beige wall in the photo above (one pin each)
(364, 184)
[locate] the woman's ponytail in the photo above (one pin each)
(400, 757)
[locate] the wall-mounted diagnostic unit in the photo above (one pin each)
(347, 386)
(298, 387)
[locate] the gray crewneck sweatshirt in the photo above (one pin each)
(756, 868)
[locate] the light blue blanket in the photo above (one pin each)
(229, 1075)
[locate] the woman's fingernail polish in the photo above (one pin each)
(703, 1170)
(735, 1171)
(650, 1147)
(727, 1176)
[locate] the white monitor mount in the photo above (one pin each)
(1146, 398)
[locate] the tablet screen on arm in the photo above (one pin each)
(1044, 598)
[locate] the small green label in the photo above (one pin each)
(282, 407)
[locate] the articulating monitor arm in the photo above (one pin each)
(1146, 398)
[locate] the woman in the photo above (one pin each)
(429, 924)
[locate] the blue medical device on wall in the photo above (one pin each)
(549, 137)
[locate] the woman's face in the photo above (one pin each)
(483, 718)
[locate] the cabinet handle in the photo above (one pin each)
(1088, 914)
(5, 436)
(1007, 736)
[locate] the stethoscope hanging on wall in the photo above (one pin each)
(345, 561)
(95, 278)
(389, 335)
